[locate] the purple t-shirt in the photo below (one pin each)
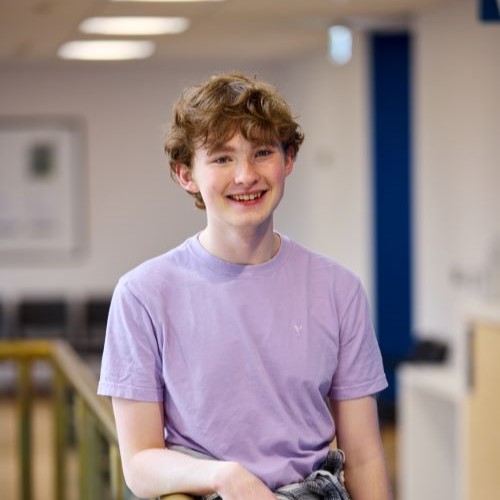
(243, 357)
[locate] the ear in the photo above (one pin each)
(289, 160)
(185, 178)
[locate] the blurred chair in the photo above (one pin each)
(96, 312)
(88, 328)
(42, 318)
(2, 323)
(89, 325)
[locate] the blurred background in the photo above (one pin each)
(397, 179)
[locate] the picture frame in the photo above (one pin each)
(43, 188)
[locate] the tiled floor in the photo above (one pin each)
(43, 443)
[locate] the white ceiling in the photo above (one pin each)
(32, 30)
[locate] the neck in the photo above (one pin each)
(241, 247)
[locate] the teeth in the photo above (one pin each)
(246, 197)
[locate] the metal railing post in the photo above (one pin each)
(25, 448)
(116, 476)
(60, 434)
(88, 453)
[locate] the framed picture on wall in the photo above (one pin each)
(42, 188)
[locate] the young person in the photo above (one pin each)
(236, 358)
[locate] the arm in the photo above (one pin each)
(152, 470)
(358, 436)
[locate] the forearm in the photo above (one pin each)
(151, 470)
(155, 472)
(358, 436)
(368, 481)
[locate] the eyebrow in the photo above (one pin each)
(225, 148)
(218, 151)
(221, 149)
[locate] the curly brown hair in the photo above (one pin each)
(210, 113)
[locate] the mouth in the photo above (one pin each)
(247, 196)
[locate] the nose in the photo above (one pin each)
(245, 173)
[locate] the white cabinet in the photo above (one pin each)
(431, 426)
(449, 423)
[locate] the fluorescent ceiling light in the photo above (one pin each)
(134, 25)
(106, 50)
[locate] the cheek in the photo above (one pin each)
(279, 176)
(210, 187)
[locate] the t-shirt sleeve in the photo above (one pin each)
(131, 364)
(359, 370)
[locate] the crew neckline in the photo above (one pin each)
(219, 265)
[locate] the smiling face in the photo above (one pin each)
(208, 114)
(241, 183)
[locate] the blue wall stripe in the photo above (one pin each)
(489, 11)
(391, 112)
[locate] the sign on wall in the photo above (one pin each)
(41, 187)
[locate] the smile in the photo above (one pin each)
(246, 197)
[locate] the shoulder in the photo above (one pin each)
(324, 279)
(322, 267)
(154, 274)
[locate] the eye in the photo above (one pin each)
(262, 153)
(221, 160)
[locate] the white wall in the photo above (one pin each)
(135, 211)
(329, 198)
(130, 210)
(457, 167)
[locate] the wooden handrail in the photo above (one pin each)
(71, 376)
(95, 415)
(73, 368)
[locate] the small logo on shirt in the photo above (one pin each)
(297, 328)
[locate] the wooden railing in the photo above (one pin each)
(82, 421)
(77, 409)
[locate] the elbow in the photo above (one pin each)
(136, 486)
(137, 481)
(139, 489)
(138, 492)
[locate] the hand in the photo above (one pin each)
(234, 482)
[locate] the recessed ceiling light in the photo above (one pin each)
(106, 50)
(134, 25)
